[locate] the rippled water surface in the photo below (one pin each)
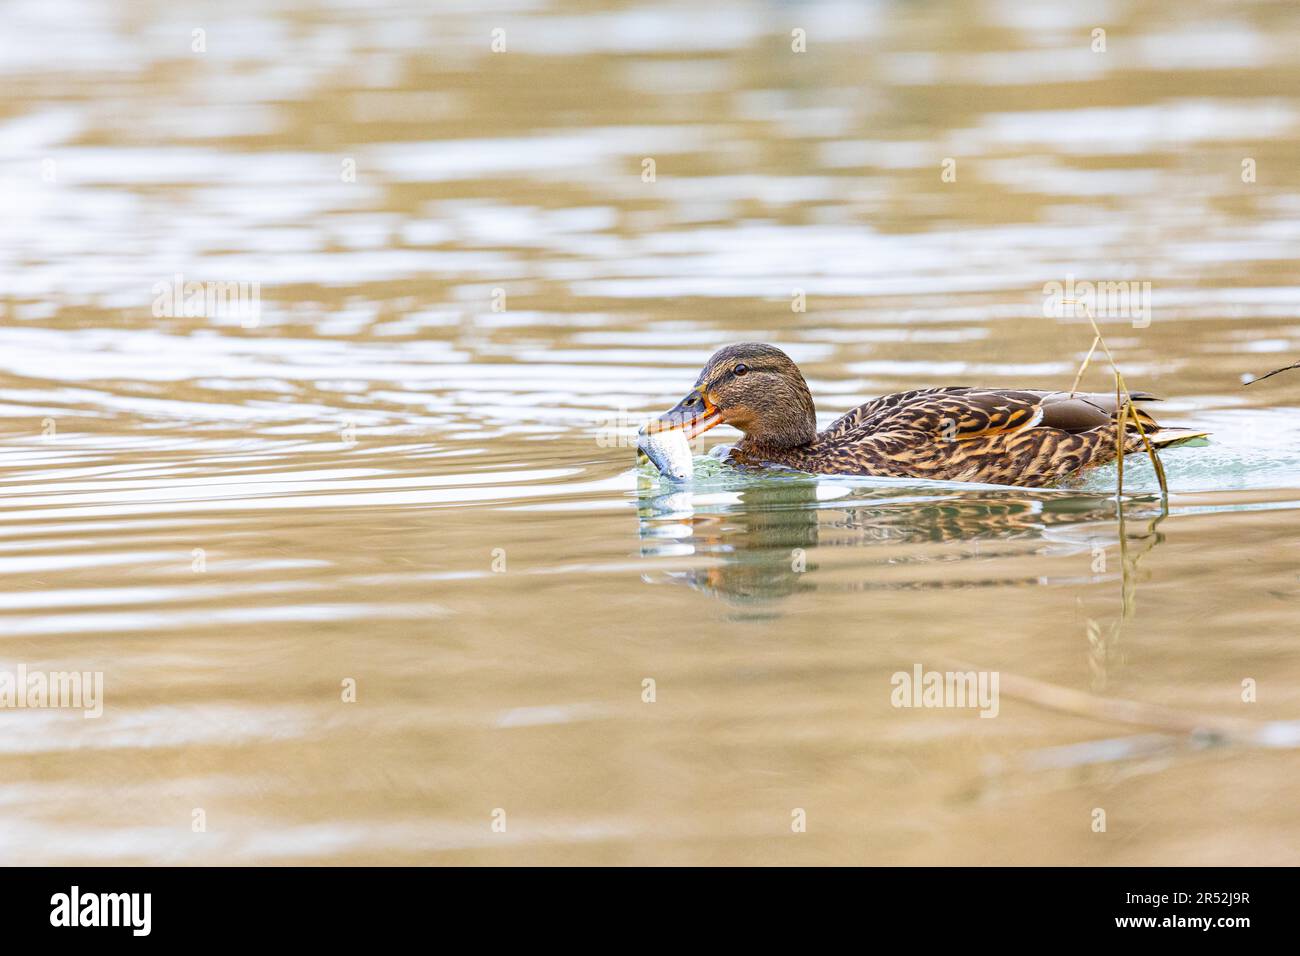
(410, 471)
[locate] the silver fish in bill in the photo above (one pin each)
(670, 451)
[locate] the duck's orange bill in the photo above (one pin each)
(694, 414)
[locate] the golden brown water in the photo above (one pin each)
(412, 471)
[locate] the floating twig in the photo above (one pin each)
(1285, 368)
(1235, 730)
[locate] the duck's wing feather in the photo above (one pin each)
(959, 413)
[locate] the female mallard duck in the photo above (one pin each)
(992, 435)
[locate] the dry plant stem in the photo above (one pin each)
(1156, 463)
(1084, 367)
(1124, 401)
(1119, 438)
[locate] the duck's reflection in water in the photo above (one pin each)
(769, 539)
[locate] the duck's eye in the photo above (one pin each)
(740, 370)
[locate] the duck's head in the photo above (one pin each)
(752, 387)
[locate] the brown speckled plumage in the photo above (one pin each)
(1028, 437)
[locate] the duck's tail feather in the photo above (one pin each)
(1172, 437)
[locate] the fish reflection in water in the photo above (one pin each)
(757, 549)
(762, 542)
